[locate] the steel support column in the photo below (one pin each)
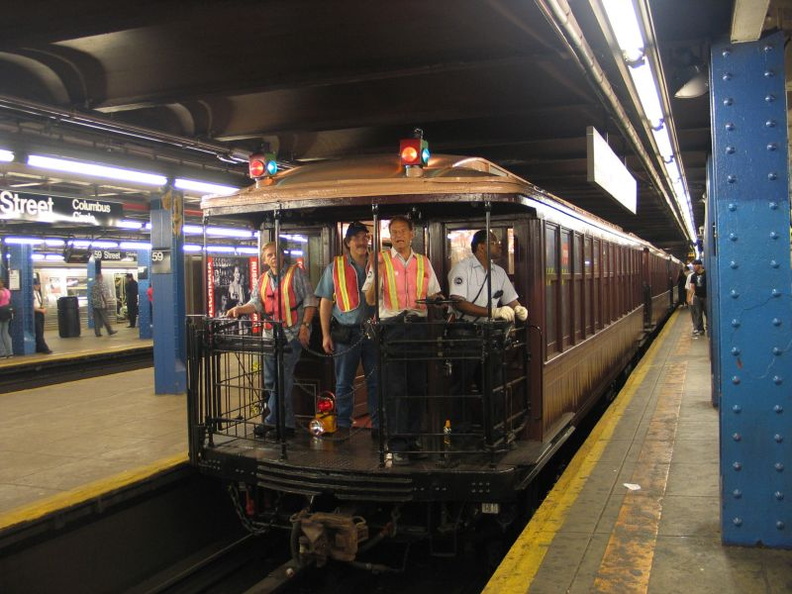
(167, 277)
(22, 328)
(749, 204)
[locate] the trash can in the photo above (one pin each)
(68, 317)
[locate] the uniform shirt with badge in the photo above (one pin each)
(467, 280)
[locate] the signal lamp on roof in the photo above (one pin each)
(414, 151)
(262, 165)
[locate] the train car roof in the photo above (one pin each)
(313, 191)
(379, 178)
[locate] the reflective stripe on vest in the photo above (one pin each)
(397, 287)
(344, 278)
(288, 297)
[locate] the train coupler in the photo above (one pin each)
(329, 535)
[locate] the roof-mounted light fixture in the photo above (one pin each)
(640, 57)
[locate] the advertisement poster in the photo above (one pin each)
(231, 280)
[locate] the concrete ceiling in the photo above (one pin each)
(171, 85)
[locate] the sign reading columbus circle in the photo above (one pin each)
(40, 208)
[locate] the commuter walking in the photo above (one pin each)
(131, 292)
(6, 315)
(343, 311)
(101, 300)
(38, 318)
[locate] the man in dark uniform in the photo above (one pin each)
(131, 292)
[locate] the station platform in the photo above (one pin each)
(68, 442)
(638, 508)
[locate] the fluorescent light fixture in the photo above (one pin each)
(54, 242)
(6, 156)
(220, 249)
(37, 257)
(134, 245)
(247, 250)
(218, 231)
(229, 232)
(191, 248)
(53, 257)
(648, 95)
(204, 187)
(104, 244)
(22, 241)
(136, 225)
(663, 142)
(624, 24)
(94, 170)
(192, 229)
(80, 244)
(295, 252)
(297, 238)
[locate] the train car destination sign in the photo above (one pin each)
(40, 208)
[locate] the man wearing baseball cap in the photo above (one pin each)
(342, 312)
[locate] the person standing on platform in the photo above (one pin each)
(467, 282)
(101, 299)
(6, 315)
(38, 318)
(131, 292)
(405, 278)
(150, 295)
(697, 297)
(343, 311)
(295, 308)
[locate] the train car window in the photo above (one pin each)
(552, 284)
(578, 289)
(597, 302)
(590, 296)
(566, 288)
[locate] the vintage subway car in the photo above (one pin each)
(594, 293)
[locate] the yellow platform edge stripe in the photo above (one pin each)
(521, 564)
(87, 492)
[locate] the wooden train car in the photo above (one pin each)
(594, 294)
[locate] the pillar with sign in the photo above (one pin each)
(20, 282)
(167, 278)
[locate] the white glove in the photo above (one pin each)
(504, 313)
(521, 313)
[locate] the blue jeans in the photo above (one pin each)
(289, 363)
(346, 365)
(6, 348)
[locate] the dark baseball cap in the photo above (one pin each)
(699, 262)
(354, 229)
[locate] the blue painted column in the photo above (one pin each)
(144, 312)
(167, 276)
(749, 199)
(22, 328)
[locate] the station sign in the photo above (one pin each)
(160, 261)
(113, 255)
(40, 208)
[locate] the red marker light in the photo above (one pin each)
(414, 151)
(260, 165)
(256, 167)
(325, 405)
